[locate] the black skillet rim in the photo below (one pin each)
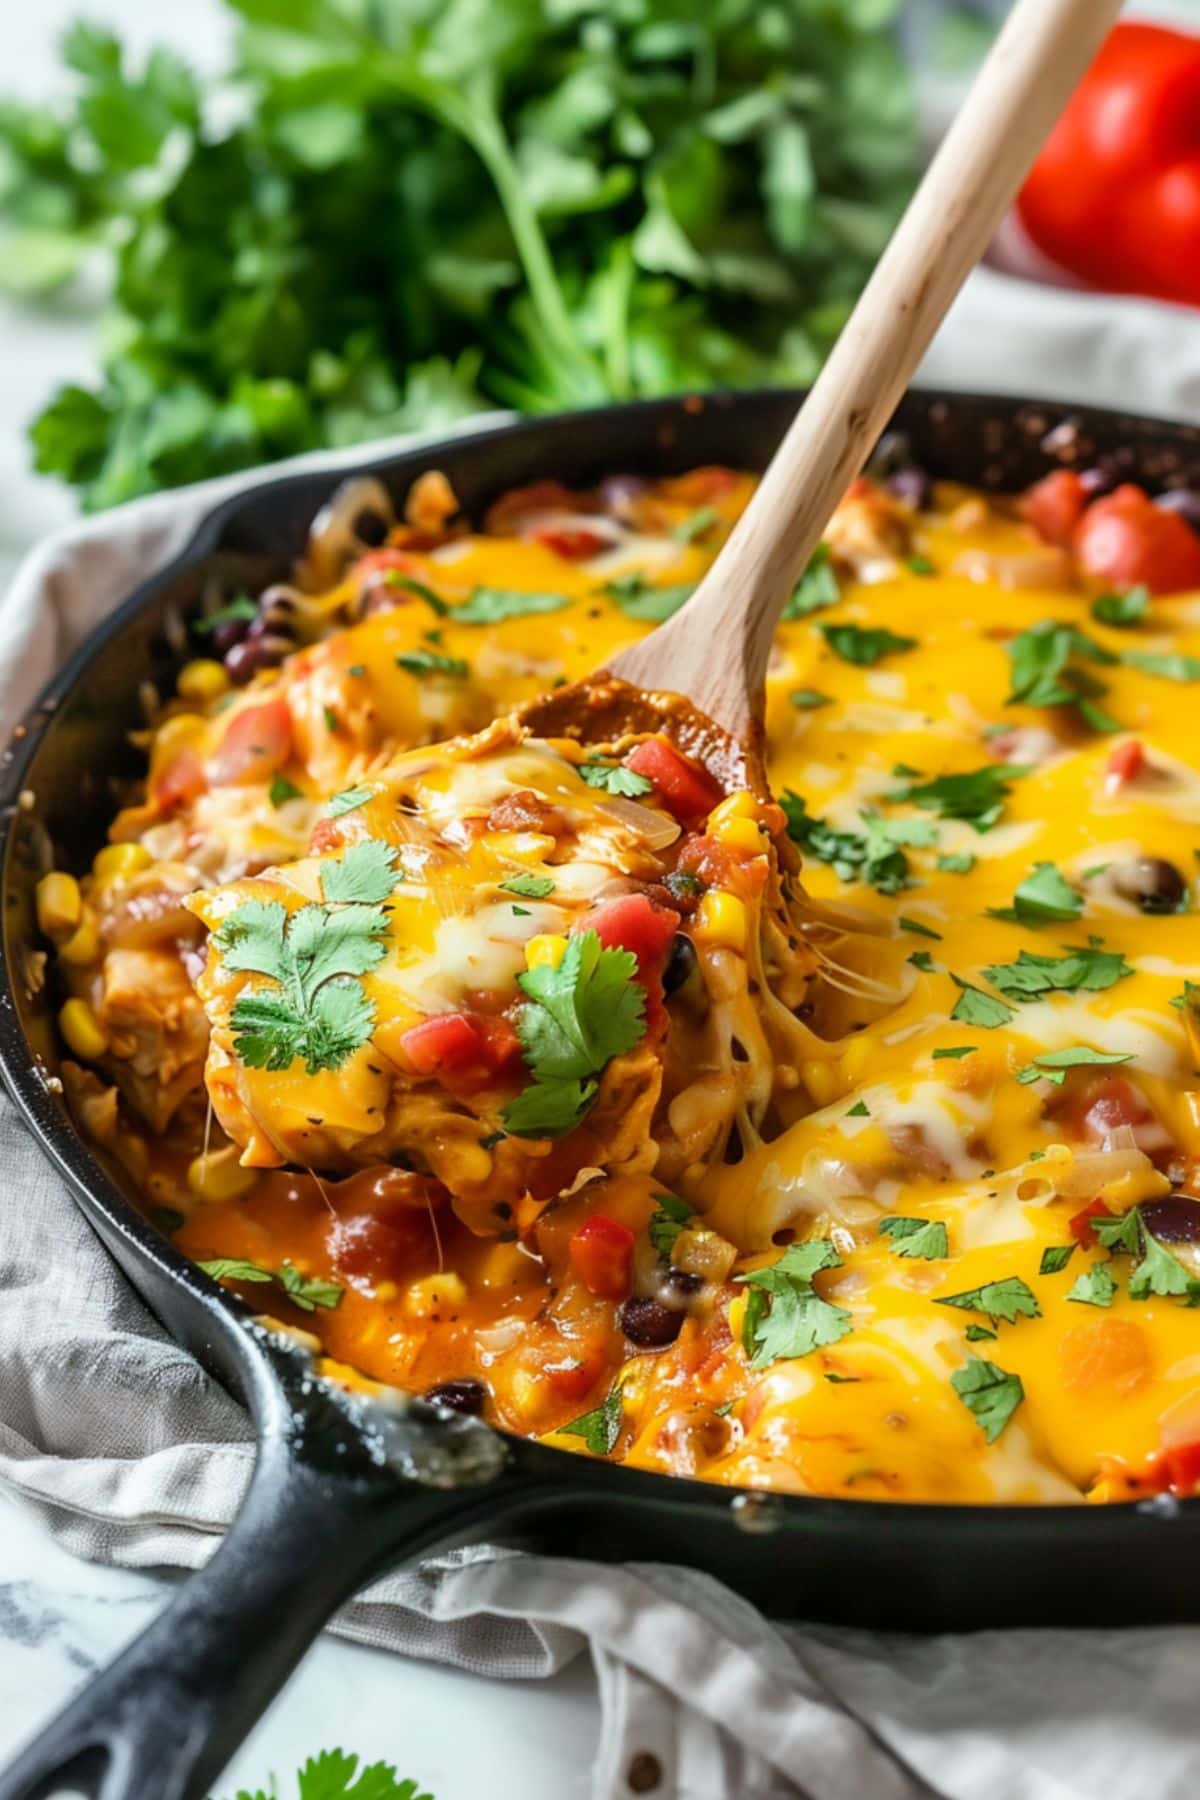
(92, 1186)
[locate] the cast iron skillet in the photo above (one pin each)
(345, 1487)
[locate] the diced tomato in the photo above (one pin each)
(257, 741)
(1124, 765)
(1111, 1104)
(1179, 1465)
(1054, 506)
(690, 792)
(1127, 541)
(575, 1376)
(461, 1046)
(382, 1245)
(635, 923)
(710, 861)
(1080, 1225)
(575, 544)
(705, 483)
(182, 780)
(602, 1252)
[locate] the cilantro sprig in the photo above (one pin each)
(874, 855)
(785, 1316)
(335, 1775)
(1031, 977)
(305, 1291)
(1048, 670)
(579, 1016)
(989, 1393)
(976, 796)
(599, 1428)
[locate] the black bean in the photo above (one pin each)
(1176, 1220)
(677, 1286)
(681, 960)
(461, 1396)
(227, 634)
(1153, 882)
(371, 528)
(650, 1324)
(247, 658)
(913, 486)
(1185, 502)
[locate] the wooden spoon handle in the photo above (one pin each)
(715, 649)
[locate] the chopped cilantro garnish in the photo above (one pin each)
(356, 669)
(282, 790)
(955, 865)
(1055, 1259)
(330, 718)
(670, 1216)
(841, 1380)
(974, 1007)
(1093, 1287)
(1009, 1299)
(408, 584)
(348, 800)
(235, 611)
(700, 522)
(921, 959)
(921, 565)
(1122, 610)
(785, 1316)
(599, 1428)
(860, 1110)
(816, 589)
(530, 887)
(1045, 894)
(366, 874)
(489, 606)
(683, 885)
(874, 856)
(954, 1050)
(580, 1015)
(1159, 1273)
(918, 930)
(809, 699)
(923, 1238)
(305, 1291)
(1046, 671)
(1167, 668)
(975, 795)
(979, 1334)
(429, 662)
(1121, 1233)
(1030, 977)
(639, 599)
(988, 1392)
(614, 778)
(864, 645)
(1053, 1065)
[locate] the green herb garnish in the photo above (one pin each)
(785, 1316)
(864, 645)
(988, 1392)
(919, 1238)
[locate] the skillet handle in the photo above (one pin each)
(327, 1510)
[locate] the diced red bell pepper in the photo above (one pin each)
(1125, 540)
(690, 792)
(1124, 765)
(1080, 1225)
(454, 1045)
(1054, 506)
(602, 1252)
(182, 780)
(1179, 1465)
(257, 741)
(575, 544)
(575, 1376)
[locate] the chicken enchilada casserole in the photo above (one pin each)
(841, 1139)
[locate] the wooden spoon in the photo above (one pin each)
(700, 675)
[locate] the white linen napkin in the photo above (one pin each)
(133, 1456)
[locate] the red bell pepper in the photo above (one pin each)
(257, 741)
(602, 1252)
(458, 1046)
(1115, 195)
(1127, 541)
(690, 792)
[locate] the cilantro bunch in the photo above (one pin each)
(335, 1775)
(382, 213)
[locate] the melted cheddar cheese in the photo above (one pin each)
(846, 1218)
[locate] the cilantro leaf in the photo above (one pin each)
(864, 645)
(1046, 894)
(816, 589)
(281, 791)
(599, 1428)
(1055, 1259)
(875, 856)
(236, 611)
(348, 800)
(404, 583)
(955, 865)
(1159, 1272)
(1121, 1233)
(785, 1316)
(979, 1334)
(581, 1014)
(989, 1393)
(640, 599)
(974, 1007)
(696, 525)
(1030, 977)
(921, 959)
(234, 1268)
(923, 1238)
(530, 887)
(953, 1052)
(808, 699)
(1008, 1299)
(489, 606)
(430, 662)
(1122, 610)
(667, 1221)
(615, 779)
(917, 929)
(308, 1291)
(332, 1776)
(860, 1110)
(366, 874)
(1167, 668)
(1046, 671)
(976, 796)
(1093, 1287)
(1053, 1064)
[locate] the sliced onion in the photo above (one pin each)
(1125, 1173)
(332, 538)
(656, 829)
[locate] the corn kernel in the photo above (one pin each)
(386, 1290)
(435, 1295)
(736, 1314)
(59, 905)
(821, 1080)
(219, 1175)
(522, 846)
(472, 1164)
(721, 919)
(82, 947)
(545, 951)
(855, 1057)
(82, 1030)
(741, 805)
(117, 862)
(203, 681)
(740, 834)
